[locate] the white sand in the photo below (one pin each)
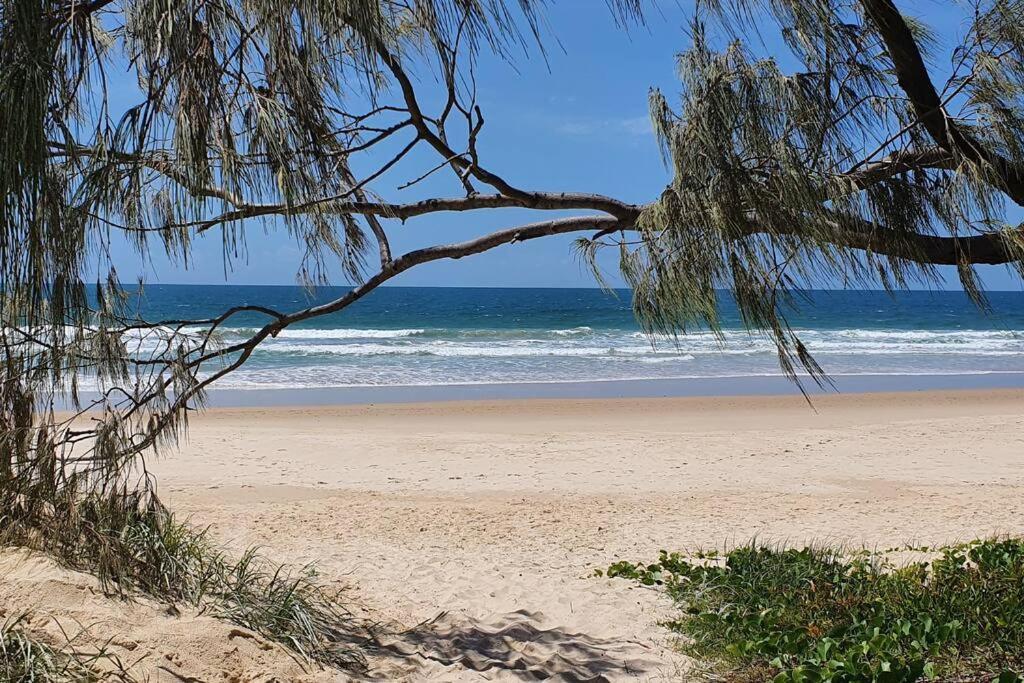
(490, 518)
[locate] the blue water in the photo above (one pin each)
(454, 336)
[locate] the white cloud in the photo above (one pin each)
(638, 125)
(562, 99)
(579, 127)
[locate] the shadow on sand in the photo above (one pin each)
(515, 646)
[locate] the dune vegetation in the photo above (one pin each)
(760, 613)
(26, 658)
(136, 546)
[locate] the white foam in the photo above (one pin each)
(573, 331)
(326, 334)
(454, 350)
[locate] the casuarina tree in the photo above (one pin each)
(867, 152)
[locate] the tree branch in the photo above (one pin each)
(525, 198)
(542, 201)
(985, 249)
(913, 78)
(394, 268)
(851, 232)
(897, 163)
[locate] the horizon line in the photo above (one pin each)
(555, 287)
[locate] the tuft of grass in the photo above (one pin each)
(24, 659)
(759, 613)
(135, 545)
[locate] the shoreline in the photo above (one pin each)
(711, 387)
(962, 400)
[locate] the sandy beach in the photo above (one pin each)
(471, 530)
(362, 340)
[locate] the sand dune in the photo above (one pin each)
(143, 637)
(472, 530)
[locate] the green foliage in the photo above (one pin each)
(815, 614)
(810, 164)
(24, 659)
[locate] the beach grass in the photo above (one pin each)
(760, 613)
(137, 546)
(26, 659)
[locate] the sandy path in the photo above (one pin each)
(495, 515)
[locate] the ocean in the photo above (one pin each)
(435, 337)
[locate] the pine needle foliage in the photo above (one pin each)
(812, 167)
(845, 159)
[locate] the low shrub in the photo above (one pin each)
(818, 614)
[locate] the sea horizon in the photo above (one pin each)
(130, 286)
(437, 343)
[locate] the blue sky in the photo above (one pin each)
(576, 123)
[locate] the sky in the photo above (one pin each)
(576, 121)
